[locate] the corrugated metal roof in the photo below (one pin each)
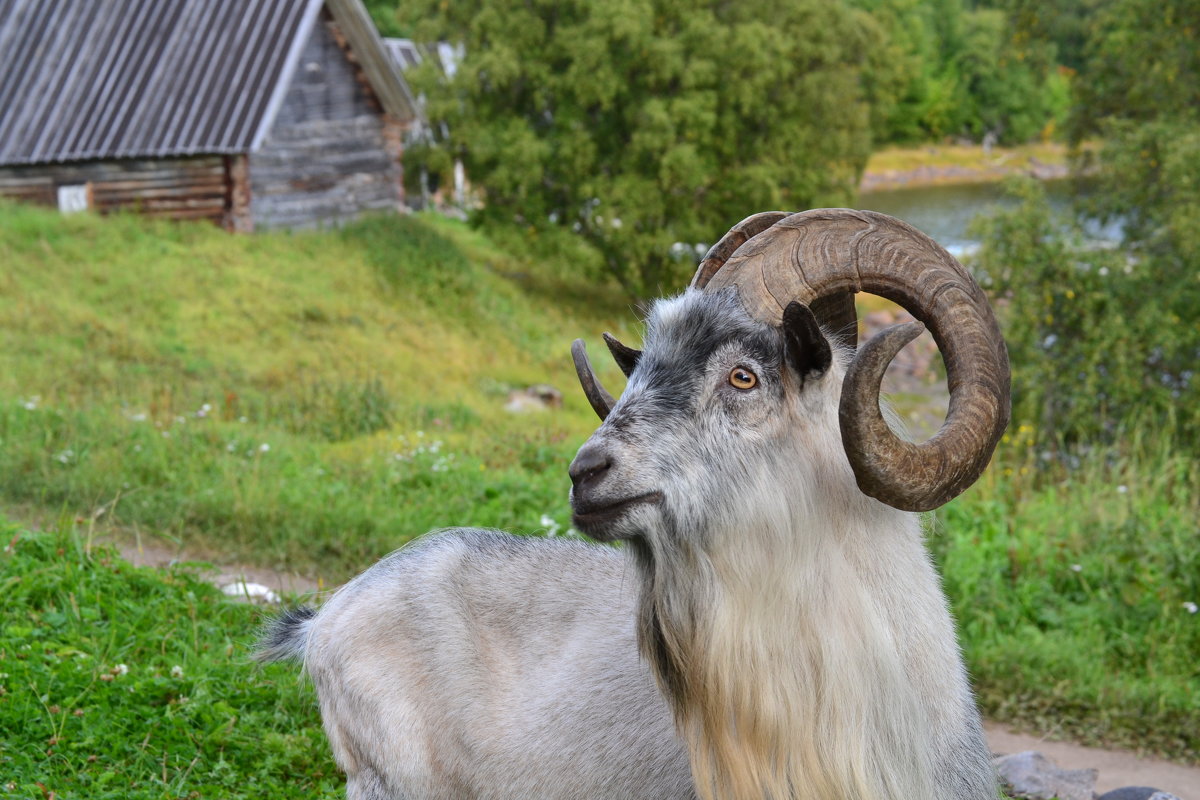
(88, 79)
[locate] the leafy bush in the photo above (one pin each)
(1076, 597)
(1102, 341)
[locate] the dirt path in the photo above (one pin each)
(158, 554)
(1117, 767)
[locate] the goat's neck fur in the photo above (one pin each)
(775, 634)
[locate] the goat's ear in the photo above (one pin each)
(805, 347)
(626, 357)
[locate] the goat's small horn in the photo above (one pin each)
(602, 402)
(837, 251)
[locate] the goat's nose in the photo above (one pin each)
(590, 462)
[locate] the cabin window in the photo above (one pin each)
(73, 198)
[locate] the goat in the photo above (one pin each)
(773, 627)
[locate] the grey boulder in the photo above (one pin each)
(1031, 775)
(1137, 793)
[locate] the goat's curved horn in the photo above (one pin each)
(816, 254)
(602, 402)
(834, 311)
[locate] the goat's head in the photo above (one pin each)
(713, 403)
(735, 370)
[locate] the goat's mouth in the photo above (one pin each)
(593, 518)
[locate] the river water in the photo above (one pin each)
(945, 212)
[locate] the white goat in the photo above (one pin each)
(794, 641)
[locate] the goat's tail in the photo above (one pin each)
(285, 636)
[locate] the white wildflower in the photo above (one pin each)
(1076, 568)
(549, 523)
(120, 669)
(176, 671)
(1190, 607)
(264, 447)
(1122, 489)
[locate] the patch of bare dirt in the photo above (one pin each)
(161, 554)
(1117, 768)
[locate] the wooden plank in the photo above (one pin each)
(133, 194)
(238, 217)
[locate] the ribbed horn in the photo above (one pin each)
(833, 252)
(835, 312)
(602, 402)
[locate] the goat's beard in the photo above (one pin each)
(781, 688)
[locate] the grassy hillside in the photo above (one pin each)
(307, 400)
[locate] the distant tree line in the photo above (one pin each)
(951, 68)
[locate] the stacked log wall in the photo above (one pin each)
(175, 188)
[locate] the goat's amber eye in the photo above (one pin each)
(742, 378)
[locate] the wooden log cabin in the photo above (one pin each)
(249, 113)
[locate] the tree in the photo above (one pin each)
(1103, 341)
(648, 124)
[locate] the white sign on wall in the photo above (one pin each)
(73, 198)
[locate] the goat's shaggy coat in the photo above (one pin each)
(794, 626)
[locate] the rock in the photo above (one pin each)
(1032, 775)
(538, 397)
(250, 592)
(1137, 793)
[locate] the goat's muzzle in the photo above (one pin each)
(595, 509)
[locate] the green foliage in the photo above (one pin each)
(1118, 332)
(1143, 64)
(117, 682)
(1098, 346)
(945, 70)
(1075, 592)
(642, 123)
(1059, 29)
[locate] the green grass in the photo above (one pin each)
(373, 363)
(120, 682)
(1073, 591)
(309, 401)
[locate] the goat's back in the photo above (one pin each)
(476, 664)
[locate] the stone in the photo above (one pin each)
(1031, 775)
(248, 592)
(1137, 793)
(538, 397)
